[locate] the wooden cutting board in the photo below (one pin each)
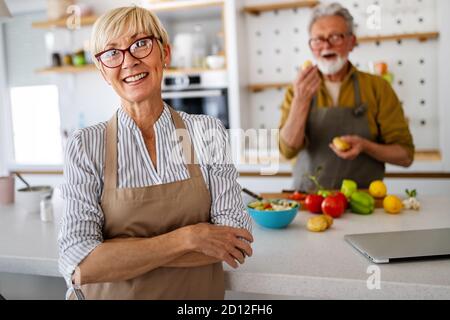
(378, 202)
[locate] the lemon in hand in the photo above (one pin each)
(377, 189)
(341, 144)
(392, 204)
(307, 64)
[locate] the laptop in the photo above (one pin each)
(387, 247)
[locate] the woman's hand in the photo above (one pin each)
(357, 146)
(223, 243)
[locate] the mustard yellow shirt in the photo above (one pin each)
(387, 121)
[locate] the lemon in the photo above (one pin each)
(329, 220)
(340, 144)
(307, 64)
(392, 204)
(377, 189)
(317, 224)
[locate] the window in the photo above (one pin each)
(36, 125)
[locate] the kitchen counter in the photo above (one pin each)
(290, 262)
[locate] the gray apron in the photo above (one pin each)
(324, 124)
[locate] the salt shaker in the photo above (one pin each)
(46, 209)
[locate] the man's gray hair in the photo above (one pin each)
(332, 9)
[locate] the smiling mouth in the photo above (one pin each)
(136, 77)
(329, 55)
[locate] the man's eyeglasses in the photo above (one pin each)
(336, 39)
(140, 49)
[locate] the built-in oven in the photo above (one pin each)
(199, 93)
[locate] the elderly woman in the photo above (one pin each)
(143, 218)
(334, 99)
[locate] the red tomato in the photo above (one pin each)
(297, 196)
(313, 203)
(343, 198)
(333, 206)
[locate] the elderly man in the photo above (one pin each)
(334, 99)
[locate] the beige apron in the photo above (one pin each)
(152, 211)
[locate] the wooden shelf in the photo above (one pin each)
(267, 86)
(428, 155)
(68, 69)
(178, 5)
(419, 36)
(258, 9)
(62, 23)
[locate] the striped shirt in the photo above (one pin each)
(83, 219)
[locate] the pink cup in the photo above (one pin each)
(7, 190)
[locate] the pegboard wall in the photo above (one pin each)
(277, 46)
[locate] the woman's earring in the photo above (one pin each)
(165, 65)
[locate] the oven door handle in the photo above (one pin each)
(191, 94)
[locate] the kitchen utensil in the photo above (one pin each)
(251, 194)
(24, 181)
(29, 199)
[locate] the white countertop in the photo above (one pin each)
(291, 262)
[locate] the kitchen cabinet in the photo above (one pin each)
(177, 16)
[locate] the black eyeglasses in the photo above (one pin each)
(140, 49)
(336, 39)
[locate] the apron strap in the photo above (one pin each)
(355, 87)
(111, 154)
(187, 146)
(357, 90)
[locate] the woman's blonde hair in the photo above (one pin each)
(126, 21)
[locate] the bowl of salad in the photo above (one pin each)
(273, 213)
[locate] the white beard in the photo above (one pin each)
(331, 67)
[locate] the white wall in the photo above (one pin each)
(5, 136)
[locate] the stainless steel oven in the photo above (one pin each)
(198, 93)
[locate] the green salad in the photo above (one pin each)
(273, 205)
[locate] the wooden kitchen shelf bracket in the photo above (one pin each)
(258, 9)
(159, 6)
(407, 36)
(267, 86)
(68, 69)
(62, 23)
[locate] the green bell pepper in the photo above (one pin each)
(362, 203)
(348, 187)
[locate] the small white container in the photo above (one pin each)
(215, 62)
(46, 206)
(28, 200)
